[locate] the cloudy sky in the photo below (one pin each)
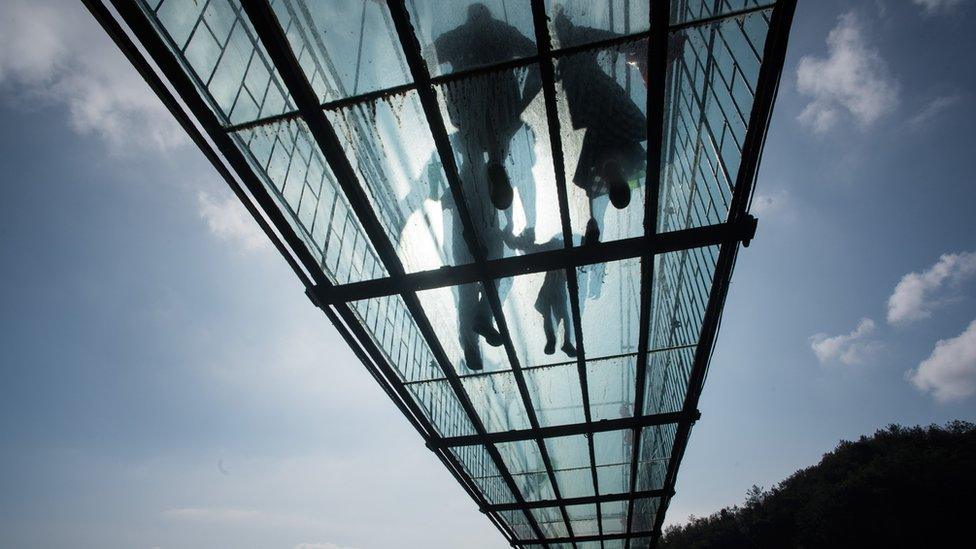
(167, 384)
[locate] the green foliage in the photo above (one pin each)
(901, 487)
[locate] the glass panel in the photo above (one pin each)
(479, 466)
(499, 134)
(293, 170)
(645, 513)
(683, 282)
(570, 458)
(550, 521)
(643, 542)
(667, 380)
(519, 522)
(655, 451)
(390, 146)
(611, 384)
(345, 47)
(222, 55)
(497, 401)
(682, 287)
(464, 34)
(614, 517)
(577, 22)
(610, 307)
(556, 394)
(712, 78)
(465, 349)
(583, 519)
(683, 11)
(602, 103)
(613, 451)
(524, 462)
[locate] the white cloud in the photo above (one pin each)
(851, 348)
(852, 80)
(937, 6)
(933, 109)
(229, 221)
(949, 373)
(55, 53)
(917, 294)
(319, 546)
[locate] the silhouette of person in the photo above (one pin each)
(486, 110)
(553, 299)
(615, 127)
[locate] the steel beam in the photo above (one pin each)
(589, 500)
(585, 428)
(567, 258)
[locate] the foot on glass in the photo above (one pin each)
(619, 189)
(592, 235)
(550, 347)
(487, 331)
(500, 188)
(569, 349)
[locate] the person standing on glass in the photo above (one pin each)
(486, 110)
(611, 153)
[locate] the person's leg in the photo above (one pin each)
(562, 313)
(550, 331)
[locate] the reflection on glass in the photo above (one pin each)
(617, 17)
(465, 34)
(345, 47)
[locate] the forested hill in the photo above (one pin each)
(901, 487)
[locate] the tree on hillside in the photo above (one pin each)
(901, 487)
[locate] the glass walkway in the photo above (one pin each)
(522, 215)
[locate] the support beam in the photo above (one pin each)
(585, 428)
(582, 539)
(657, 69)
(568, 258)
(576, 501)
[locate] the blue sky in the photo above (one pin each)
(167, 384)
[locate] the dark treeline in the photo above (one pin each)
(901, 487)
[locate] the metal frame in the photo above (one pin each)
(178, 93)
